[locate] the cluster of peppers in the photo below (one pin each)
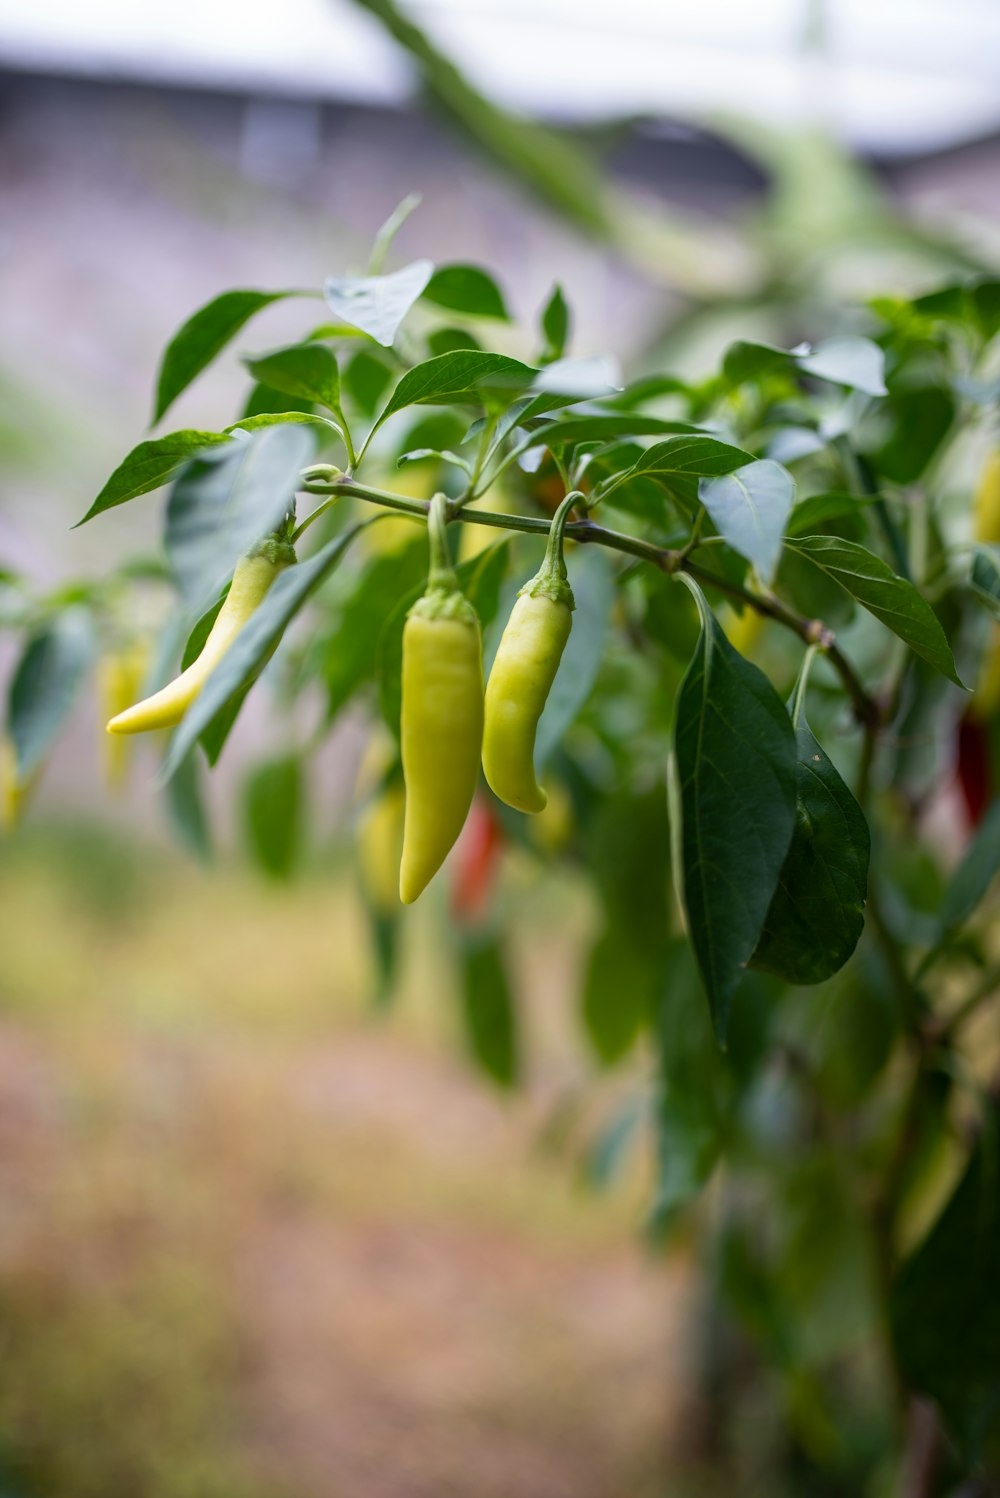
(450, 722)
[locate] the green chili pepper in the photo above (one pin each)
(253, 577)
(442, 715)
(523, 672)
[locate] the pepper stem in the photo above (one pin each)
(552, 580)
(440, 573)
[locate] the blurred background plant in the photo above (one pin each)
(307, 1253)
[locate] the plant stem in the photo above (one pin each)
(809, 631)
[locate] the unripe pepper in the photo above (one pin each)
(253, 577)
(442, 715)
(987, 501)
(120, 676)
(525, 667)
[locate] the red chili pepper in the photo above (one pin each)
(477, 858)
(973, 767)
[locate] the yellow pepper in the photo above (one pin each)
(525, 667)
(442, 715)
(253, 577)
(987, 501)
(120, 676)
(14, 790)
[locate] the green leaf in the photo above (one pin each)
(254, 645)
(488, 1010)
(203, 336)
(583, 379)
(733, 798)
(592, 578)
(46, 684)
(468, 289)
(450, 341)
(319, 424)
(561, 174)
(186, 810)
(149, 466)
(465, 374)
(619, 993)
(307, 371)
(971, 880)
(679, 461)
(605, 427)
(817, 914)
(809, 515)
(229, 499)
(387, 233)
(555, 323)
(985, 576)
(945, 1312)
(689, 1116)
(893, 601)
(856, 362)
(745, 361)
(273, 813)
(366, 378)
(919, 421)
(480, 579)
(377, 304)
(749, 507)
(264, 400)
(350, 654)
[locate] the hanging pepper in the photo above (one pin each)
(120, 676)
(253, 577)
(442, 714)
(523, 672)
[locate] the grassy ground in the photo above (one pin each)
(255, 1243)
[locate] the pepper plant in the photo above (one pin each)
(763, 744)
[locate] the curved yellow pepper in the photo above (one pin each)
(120, 676)
(253, 577)
(442, 716)
(525, 667)
(987, 501)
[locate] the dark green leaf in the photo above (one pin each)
(604, 426)
(149, 466)
(263, 400)
(229, 499)
(619, 993)
(974, 875)
(817, 914)
(488, 1010)
(273, 812)
(468, 289)
(689, 1115)
(945, 1311)
(733, 798)
(893, 601)
(378, 304)
(366, 378)
(462, 375)
(810, 515)
(45, 686)
(255, 644)
(307, 371)
(919, 420)
(321, 425)
(679, 461)
(746, 361)
(450, 341)
(985, 577)
(351, 652)
(555, 323)
(592, 580)
(749, 507)
(203, 336)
